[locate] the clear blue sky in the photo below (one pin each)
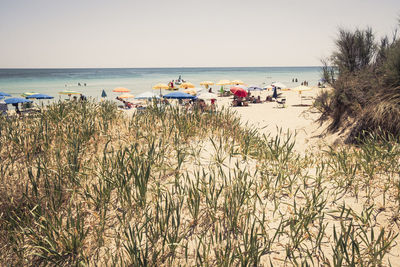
(181, 33)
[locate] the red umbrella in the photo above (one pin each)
(238, 91)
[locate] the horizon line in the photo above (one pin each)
(198, 67)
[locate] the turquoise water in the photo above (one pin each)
(52, 81)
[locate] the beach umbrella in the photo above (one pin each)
(39, 96)
(207, 96)
(275, 93)
(238, 87)
(190, 91)
(279, 85)
(160, 86)
(103, 94)
(121, 90)
(126, 96)
(69, 93)
(179, 95)
(239, 91)
(147, 95)
(4, 94)
(237, 82)
(28, 94)
(224, 82)
(206, 83)
(187, 85)
(254, 88)
(268, 87)
(301, 89)
(16, 100)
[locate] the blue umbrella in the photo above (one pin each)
(103, 94)
(275, 93)
(16, 100)
(1, 97)
(254, 88)
(179, 95)
(4, 94)
(40, 96)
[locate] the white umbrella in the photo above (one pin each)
(301, 89)
(207, 96)
(146, 95)
(279, 85)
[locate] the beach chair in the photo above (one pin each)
(281, 103)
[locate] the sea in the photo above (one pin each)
(91, 81)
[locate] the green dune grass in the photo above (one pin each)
(83, 184)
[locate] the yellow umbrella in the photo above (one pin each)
(190, 91)
(187, 85)
(237, 82)
(206, 83)
(223, 82)
(160, 86)
(27, 94)
(126, 96)
(121, 90)
(69, 93)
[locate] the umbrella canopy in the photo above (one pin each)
(103, 94)
(179, 95)
(187, 85)
(207, 96)
(254, 88)
(28, 94)
(268, 87)
(206, 83)
(160, 86)
(237, 82)
(4, 94)
(16, 100)
(121, 90)
(275, 93)
(147, 95)
(190, 91)
(69, 93)
(126, 96)
(40, 96)
(224, 82)
(239, 91)
(301, 88)
(279, 85)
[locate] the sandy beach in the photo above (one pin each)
(296, 117)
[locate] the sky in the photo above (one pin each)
(181, 33)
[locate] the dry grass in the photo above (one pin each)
(82, 184)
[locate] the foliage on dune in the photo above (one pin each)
(365, 77)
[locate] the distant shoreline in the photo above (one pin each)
(87, 68)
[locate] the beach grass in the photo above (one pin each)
(83, 184)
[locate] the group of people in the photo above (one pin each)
(240, 101)
(295, 80)
(305, 83)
